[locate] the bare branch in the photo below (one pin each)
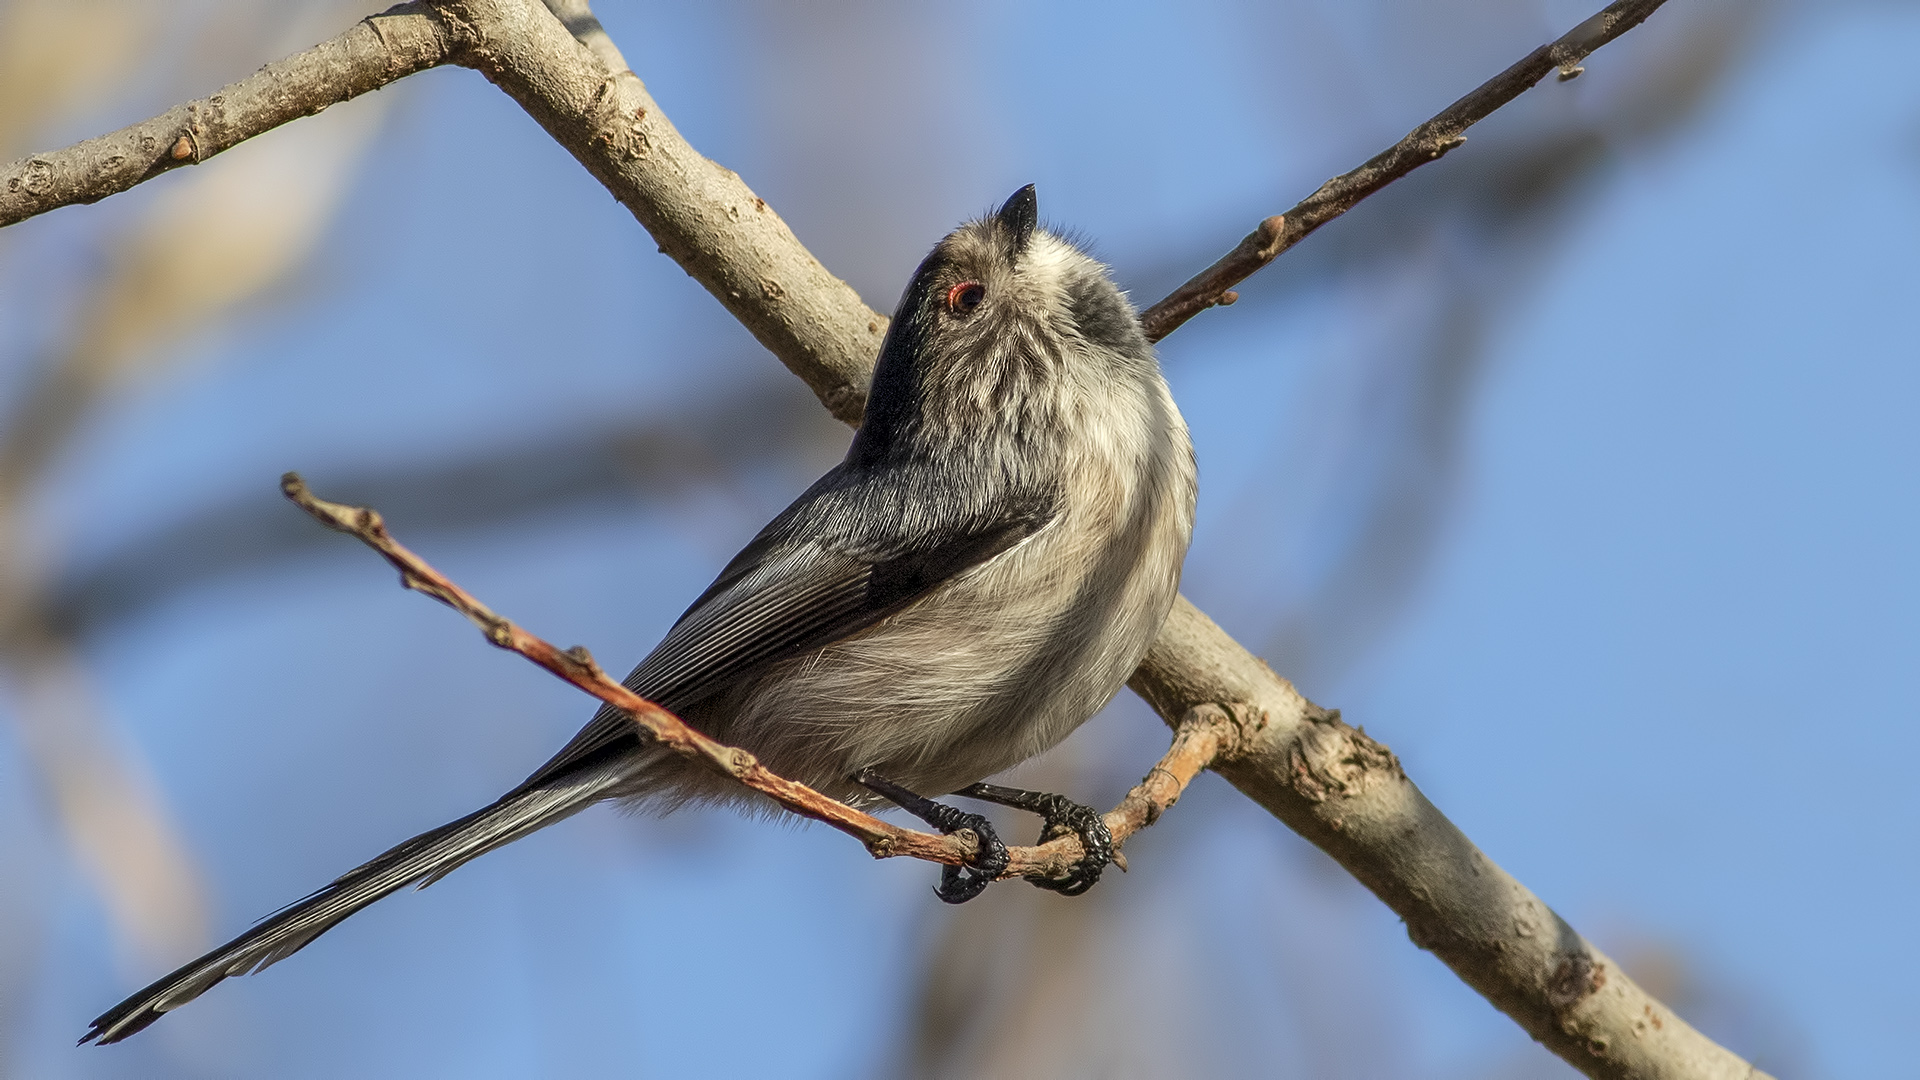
(701, 214)
(632, 464)
(1347, 794)
(115, 821)
(375, 52)
(1203, 735)
(698, 212)
(1428, 142)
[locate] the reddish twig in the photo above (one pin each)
(1203, 738)
(1195, 746)
(1428, 142)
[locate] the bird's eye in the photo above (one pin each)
(964, 297)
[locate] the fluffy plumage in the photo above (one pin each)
(977, 578)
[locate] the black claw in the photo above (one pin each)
(1095, 839)
(958, 884)
(1062, 816)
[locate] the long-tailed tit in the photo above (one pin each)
(977, 578)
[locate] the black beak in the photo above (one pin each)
(1019, 216)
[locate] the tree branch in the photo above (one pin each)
(700, 213)
(1196, 742)
(376, 51)
(1333, 784)
(1347, 794)
(1428, 142)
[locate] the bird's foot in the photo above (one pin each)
(1062, 816)
(958, 884)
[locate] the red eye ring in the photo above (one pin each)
(964, 297)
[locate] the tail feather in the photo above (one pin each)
(422, 860)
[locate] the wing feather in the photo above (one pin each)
(800, 585)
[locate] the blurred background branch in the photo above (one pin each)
(186, 260)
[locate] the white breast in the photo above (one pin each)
(1004, 661)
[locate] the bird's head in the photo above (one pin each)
(1003, 326)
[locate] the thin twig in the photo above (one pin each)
(1194, 748)
(1428, 142)
(577, 667)
(1203, 737)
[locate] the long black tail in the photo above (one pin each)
(424, 859)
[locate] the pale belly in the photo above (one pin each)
(992, 668)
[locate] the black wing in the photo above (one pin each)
(840, 559)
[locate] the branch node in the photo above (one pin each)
(584, 660)
(1569, 72)
(1271, 232)
(1574, 979)
(377, 22)
(967, 840)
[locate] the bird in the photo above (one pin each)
(977, 577)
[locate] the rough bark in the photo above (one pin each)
(1347, 794)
